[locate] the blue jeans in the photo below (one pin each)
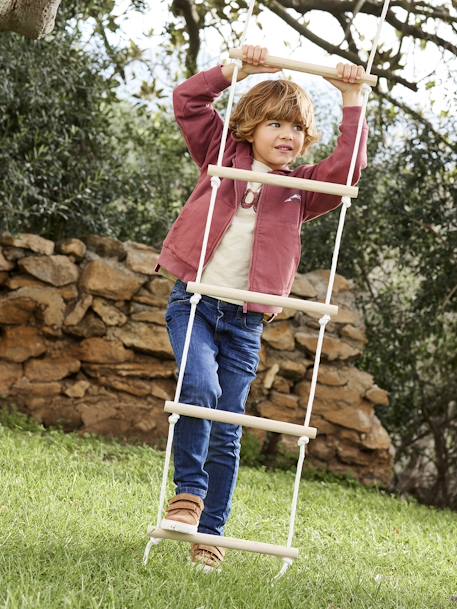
(221, 364)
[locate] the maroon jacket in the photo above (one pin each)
(280, 211)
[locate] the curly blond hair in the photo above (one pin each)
(281, 100)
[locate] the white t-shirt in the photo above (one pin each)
(231, 261)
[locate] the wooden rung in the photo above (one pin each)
(245, 175)
(222, 416)
(297, 304)
(300, 66)
(227, 542)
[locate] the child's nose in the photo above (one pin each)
(287, 132)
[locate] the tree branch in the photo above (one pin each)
(187, 9)
(276, 8)
(370, 8)
(417, 116)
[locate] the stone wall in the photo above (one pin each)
(84, 345)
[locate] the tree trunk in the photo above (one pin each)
(31, 18)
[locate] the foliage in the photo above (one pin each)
(74, 158)
(157, 175)
(400, 247)
(56, 165)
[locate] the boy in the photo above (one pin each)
(254, 244)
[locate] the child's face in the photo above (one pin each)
(277, 143)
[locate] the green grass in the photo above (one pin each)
(73, 516)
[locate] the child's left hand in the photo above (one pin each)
(350, 84)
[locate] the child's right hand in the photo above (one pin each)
(253, 61)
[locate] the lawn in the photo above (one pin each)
(73, 517)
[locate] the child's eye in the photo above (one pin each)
(274, 124)
(299, 127)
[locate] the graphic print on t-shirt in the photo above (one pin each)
(250, 199)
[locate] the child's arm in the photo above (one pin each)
(201, 125)
(335, 168)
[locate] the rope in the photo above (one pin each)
(346, 204)
(195, 299)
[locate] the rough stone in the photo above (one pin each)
(138, 387)
(28, 241)
(339, 394)
(143, 337)
(145, 297)
(378, 396)
(102, 350)
(347, 316)
(279, 335)
(50, 301)
(294, 370)
(78, 310)
(72, 247)
(69, 292)
(16, 310)
(110, 280)
(319, 280)
(360, 418)
(3, 277)
(329, 375)
(282, 385)
(284, 400)
(51, 368)
(110, 315)
(89, 326)
(13, 254)
(142, 366)
(270, 376)
(5, 265)
(56, 270)
(285, 314)
(77, 389)
(25, 387)
(25, 281)
(270, 410)
(10, 373)
(377, 438)
(20, 343)
(106, 247)
(160, 287)
(150, 316)
(303, 288)
(141, 258)
(354, 333)
(332, 348)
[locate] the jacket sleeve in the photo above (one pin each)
(335, 168)
(200, 124)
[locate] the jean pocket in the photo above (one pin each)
(179, 295)
(253, 321)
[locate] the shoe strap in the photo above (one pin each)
(187, 498)
(188, 506)
(217, 551)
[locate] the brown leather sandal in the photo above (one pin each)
(183, 513)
